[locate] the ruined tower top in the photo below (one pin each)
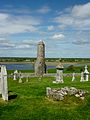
(41, 50)
(41, 42)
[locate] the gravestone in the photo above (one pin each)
(48, 91)
(15, 75)
(4, 86)
(0, 83)
(59, 74)
(20, 77)
(73, 76)
(86, 74)
(27, 79)
(82, 77)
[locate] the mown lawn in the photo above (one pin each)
(28, 101)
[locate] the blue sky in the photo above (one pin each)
(64, 26)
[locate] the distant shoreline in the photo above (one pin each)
(16, 62)
(47, 63)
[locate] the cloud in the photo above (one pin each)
(81, 11)
(44, 10)
(3, 16)
(12, 10)
(10, 44)
(81, 42)
(22, 46)
(18, 24)
(50, 28)
(29, 42)
(6, 44)
(77, 17)
(24, 10)
(81, 38)
(20, 20)
(58, 36)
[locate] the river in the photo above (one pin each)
(30, 66)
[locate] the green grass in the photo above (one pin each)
(31, 103)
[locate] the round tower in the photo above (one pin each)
(40, 62)
(41, 50)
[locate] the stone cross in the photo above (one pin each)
(3, 83)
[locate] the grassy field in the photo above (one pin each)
(28, 101)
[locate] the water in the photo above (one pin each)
(19, 66)
(23, 66)
(31, 66)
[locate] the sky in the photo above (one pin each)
(63, 25)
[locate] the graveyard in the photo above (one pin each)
(28, 100)
(62, 94)
(45, 60)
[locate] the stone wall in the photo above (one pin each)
(59, 93)
(45, 75)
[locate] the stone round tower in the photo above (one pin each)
(40, 62)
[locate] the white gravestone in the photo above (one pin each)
(82, 77)
(73, 76)
(0, 84)
(4, 86)
(20, 80)
(59, 74)
(86, 73)
(20, 77)
(27, 79)
(15, 75)
(48, 91)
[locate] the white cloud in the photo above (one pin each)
(44, 9)
(3, 16)
(29, 42)
(22, 46)
(14, 10)
(50, 28)
(81, 11)
(10, 44)
(24, 10)
(18, 24)
(81, 38)
(6, 44)
(64, 19)
(61, 26)
(77, 17)
(58, 36)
